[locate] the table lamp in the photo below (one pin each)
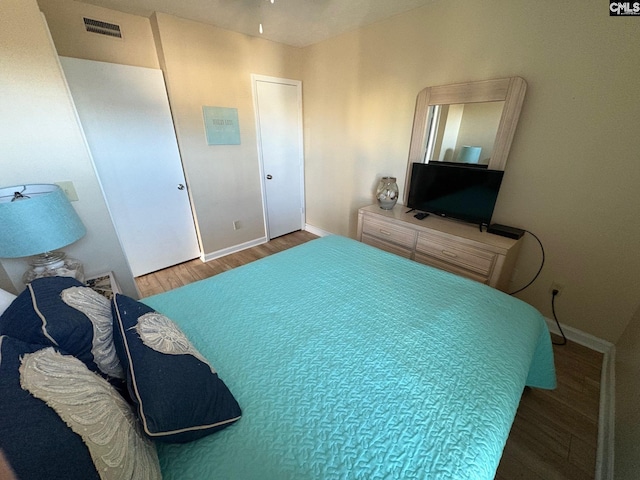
(35, 221)
(469, 154)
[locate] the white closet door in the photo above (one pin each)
(279, 121)
(125, 115)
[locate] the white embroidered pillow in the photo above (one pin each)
(62, 312)
(35, 441)
(93, 409)
(97, 308)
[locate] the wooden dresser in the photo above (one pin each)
(443, 243)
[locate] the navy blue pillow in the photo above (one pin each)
(178, 395)
(36, 442)
(62, 312)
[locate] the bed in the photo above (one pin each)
(350, 362)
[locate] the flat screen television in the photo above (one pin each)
(456, 191)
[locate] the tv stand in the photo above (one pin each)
(440, 242)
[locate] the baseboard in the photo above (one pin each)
(258, 241)
(236, 248)
(316, 231)
(578, 336)
(606, 417)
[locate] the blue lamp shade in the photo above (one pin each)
(469, 154)
(35, 219)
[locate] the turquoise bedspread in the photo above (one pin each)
(352, 363)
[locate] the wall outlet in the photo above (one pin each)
(69, 190)
(556, 286)
(237, 225)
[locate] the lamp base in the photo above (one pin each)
(53, 264)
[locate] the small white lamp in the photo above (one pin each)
(35, 220)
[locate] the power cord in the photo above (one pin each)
(554, 294)
(539, 269)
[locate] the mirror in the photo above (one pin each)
(471, 123)
(462, 133)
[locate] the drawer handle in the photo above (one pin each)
(384, 232)
(449, 254)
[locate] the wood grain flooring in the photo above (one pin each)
(554, 435)
(194, 270)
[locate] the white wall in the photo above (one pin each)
(42, 142)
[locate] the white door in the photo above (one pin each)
(278, 104)
(125, 115)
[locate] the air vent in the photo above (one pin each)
(103, 28)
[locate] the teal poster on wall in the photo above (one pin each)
(221, 125)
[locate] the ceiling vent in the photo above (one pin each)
(103, 28)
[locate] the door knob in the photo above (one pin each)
(180, 186)
(269, 177)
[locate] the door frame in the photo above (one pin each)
(255, 78)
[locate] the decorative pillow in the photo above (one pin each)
(92, 408)
(35, 441)
(178, 395)
(62, 312)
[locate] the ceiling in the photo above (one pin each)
(292, 22)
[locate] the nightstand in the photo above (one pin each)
(105, 284)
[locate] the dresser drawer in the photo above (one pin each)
(389, 232)
(386, 246)
(456, 254)
(450, 267)
(453, 246)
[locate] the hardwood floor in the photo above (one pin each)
(194, 270)
(554, 435)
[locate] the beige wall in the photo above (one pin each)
(627, 445)
(573, 172)
(209, 66)
(203, 65)
(478, 128)
(136, 47)
(571, 177)
(42, 142)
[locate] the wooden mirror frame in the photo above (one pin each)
(511, 90)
